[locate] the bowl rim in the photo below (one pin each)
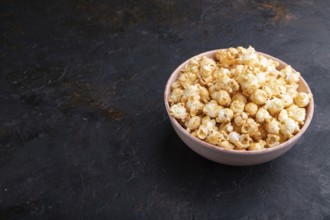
(309, 113)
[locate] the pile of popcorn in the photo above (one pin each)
(240, 100)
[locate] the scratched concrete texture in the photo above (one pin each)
(83, 129)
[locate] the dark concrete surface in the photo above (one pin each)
(83, 129)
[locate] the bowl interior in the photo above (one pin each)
(303, 87)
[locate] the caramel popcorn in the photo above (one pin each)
(238, 100)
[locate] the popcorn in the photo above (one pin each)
(289, 75)
(259, 97)
(237, 106)
(277, 88)
(261, 78)
(238, 70)
(296, 113)
(225, 115)
(207, 67)
(289, 127)
(208, 126)
(223, 98)
(272, 126)
(244, 142)
(226, 58)
(193, 123)
(240, 97)
(283, 115)
(202, 132)
(240, 119)
(274, 105)
(272, 140)
(191, 90)
(176, 85)
(249, 56)
(268, 92)
(214, 138)
(209, 123)
(250, 127)
(194, 106)
(187, 79)
(217, 137)
(204, 94)
(224, 83)
(302, 99)
(239, 101)
(224, 136)
(226, 127)
(262, 115)
(256, 146)
(287, 100)
(248, 82)
(262, 135)
(291, 90)
(234, 86)
(193, 66)
(251, 108)
(211, 109)
(226, 145)
(175, 96)
(234, 137)
(179, 111)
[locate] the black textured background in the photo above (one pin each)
(83, 129)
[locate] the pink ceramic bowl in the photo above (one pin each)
(233, 157)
